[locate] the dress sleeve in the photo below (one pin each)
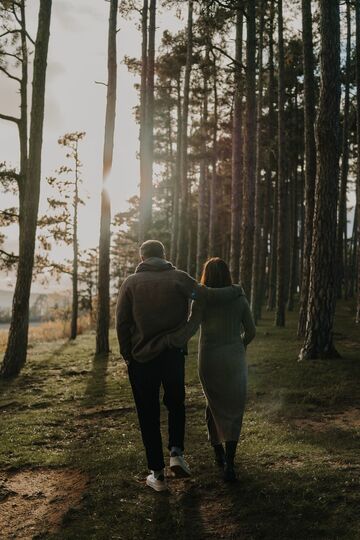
(248, 324)
(180, 337)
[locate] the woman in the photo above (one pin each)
(226, 330)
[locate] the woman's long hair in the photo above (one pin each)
(216, 273)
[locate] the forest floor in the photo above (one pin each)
(72, 464)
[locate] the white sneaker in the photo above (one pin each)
(158, 484)
(179, 466)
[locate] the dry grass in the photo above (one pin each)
(50, 331)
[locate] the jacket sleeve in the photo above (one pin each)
(248, 324)
(124, 322)
(180, 337)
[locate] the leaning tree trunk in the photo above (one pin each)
(281, 221)
(341, 247)
(255, 284)
(322, 292)
(310, 158)
(103, 307)
(182, 247)
(357, 11)
(247, 229)
(237, 152)
(15, 354)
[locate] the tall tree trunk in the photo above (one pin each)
(202, 228)
(310, 158)
(294, 248)
(357, 15)
(255, 284)
(23, 123)
(272, 192)
(237, 152)
(322, 291)
(281, 221)
(214, 210)
(103, 308)
(182, 247)
(341, 246)
(247, 229)
(15, 354)
(176, 185)
(145, 188)
(75, 265)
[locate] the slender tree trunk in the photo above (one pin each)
(203, 217)
(176, 186)
(237, 152)
(322, 291)
(23, 123)
(247, 234)
(357, 15)
(310, 158)
(255, 284)
(182, 247)
(294, 249)
(213, 214)
(75, 262)
(281, 222)
(145, 187)
(272, 191)
(341, 228)
(15, 354)
(103, 308)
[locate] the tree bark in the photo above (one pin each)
(182, 246)
(237, 152)
(247, 229)
(357, 15)
(272, 190)
(103, 307)
(75, 265)
(176, 186)
(202, 226)
(145, 187)
(15, 354)
(310, 158)
(318, 341)
(281, 221)
(341, 246)
(255, 284)
(213, 213)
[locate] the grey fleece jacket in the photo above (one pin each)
(154, 302)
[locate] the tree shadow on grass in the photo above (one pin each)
(95, 391)
(296, 504)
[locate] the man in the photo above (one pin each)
(153, 302)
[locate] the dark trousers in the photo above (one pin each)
(167, 370)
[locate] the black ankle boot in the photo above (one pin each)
(219, 455)
(229, 473)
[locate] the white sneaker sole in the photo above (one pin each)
(179, 468)
(157, 486)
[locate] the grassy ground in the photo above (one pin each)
(298, 462)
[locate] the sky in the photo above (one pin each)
(77, 58)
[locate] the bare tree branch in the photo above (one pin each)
(9, 74)
(9, 118)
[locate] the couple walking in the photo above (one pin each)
(153, 328)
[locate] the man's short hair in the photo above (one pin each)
(152, 248)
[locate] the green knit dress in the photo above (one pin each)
(226, 330)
